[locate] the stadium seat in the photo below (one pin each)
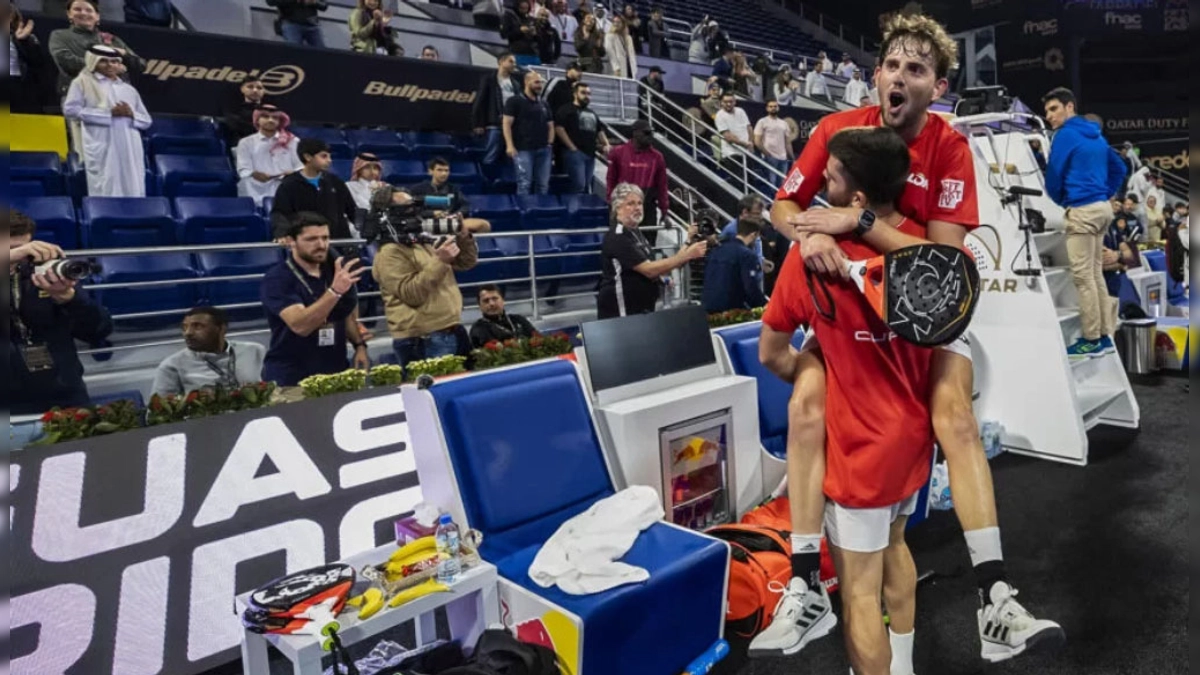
(560, 183)
(124, 222)
(339, 147)
(183, 136)
(467, 177)
(35, 174)
(385, 144)
(505, 180)
(472, 147)
(219, 220)
(482, 272)
(136, 268)
(541, 212)
(404, 172)
(235, 263)
(55, 218)
(181, 175)
(519, 246)
(37, 133)
(586, 211)
(267, 203)
(429, 144)
(500, 210)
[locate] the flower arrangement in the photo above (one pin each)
(437, 367)
(207, 401)
(315, 386)
(71, 424)
(495, 354)
(385, 375)
(734, 317)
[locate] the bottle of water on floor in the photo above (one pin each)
(449, 550)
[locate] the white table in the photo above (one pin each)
(471, 606)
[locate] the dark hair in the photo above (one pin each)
(436, 162)
(1060, 94)
(435, 51)
(748, 202)
(748, 225)
(1132, 196)
(576, 86)
(305, 219)
(310, 146)
(489, 288)
(875, 159)
(248, 79)
(730, 94)
(504, 55)
(20, 224)
(218, 315)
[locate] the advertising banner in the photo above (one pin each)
(1099, 18)
(1033, 56)
(1159, 131)
(127, 550)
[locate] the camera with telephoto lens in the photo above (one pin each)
(407, 223)
(67, 268)
(708, 224)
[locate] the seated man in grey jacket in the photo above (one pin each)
(209, 359)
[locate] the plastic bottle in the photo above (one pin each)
(449, 565)
(708, 660)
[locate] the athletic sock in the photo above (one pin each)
(902, 652)
(987, 559)
(806, 559)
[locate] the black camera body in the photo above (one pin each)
(708, 224)
(72, 269)
(407, 224)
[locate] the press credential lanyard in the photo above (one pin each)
(325, 334)
(36, 355)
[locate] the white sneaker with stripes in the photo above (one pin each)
(1006, 629)
(801, 616)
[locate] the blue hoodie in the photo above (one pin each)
(1082, 168)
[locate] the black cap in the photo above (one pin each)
(574, 65)
(656, 69)
(642, 125)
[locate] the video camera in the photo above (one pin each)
(66, 268)
(708, 224)
(407, 224)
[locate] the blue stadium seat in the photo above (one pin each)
(267, 203)
(123, 222)
(35, 174)
(342, 168)
(541, 212)
(586, 211)
(234, 263)
(385, 144)
(404, 172)
(135, 268)
(500, 210)
(339, 147)
(219, 220)
(55, 218)
(467, 177)
(472, 147)
(482, 272)
(429, 144)
(183, 136)
(181, 175)
(519, 246)
(505, 180)
(560, 184)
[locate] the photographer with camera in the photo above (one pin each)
(733, 274)
(415, 270)
(631, 279)
(48, 314)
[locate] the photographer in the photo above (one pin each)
(415, 270)
(733, 274)
(631, 278)
(49, 314)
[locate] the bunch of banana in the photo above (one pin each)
(368, 604)
(419, 591)
(413, 557)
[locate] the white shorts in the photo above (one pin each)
(864, 530)
(961, 346)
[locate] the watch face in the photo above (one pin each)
(867, 219)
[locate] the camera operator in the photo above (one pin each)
(631, 279)
(733, 274)
(49, 314)
(439, 185)
(415, 270)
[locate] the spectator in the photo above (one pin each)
(1140, 183)
(561, 90)
(26, 67)
(69, 46)
(786, 87)
(370, 32)
(313, 189)
(633, 24)
(563, 22)
(1130, 159)
(111, 115)
(603, 21)
(311, 306)
(749, 206)
(1119, 254)
(733, 274)
(826, 64)
(1155, 221)
(265, 158)
(421, 297)
(1082, 175)
(723, 68)
(1156, 190)
(656, 34)
(718, 41)
(582, 9)
(698, 46)
(1132, 210)
(815, 86)
(580, 133)
(622, 56)
(439, 184)
(856, 89)
(654, 82)
(487, 112)
(744, 77)
(298, 21)
(771, 138)
(209, 359)
(239, 112)
(528, 135)
(149, 13)
(496, 324)
(589, 45)
(641, 165)
(846, 68)
(711, 104)
(549, 45)
(430, 53)
(631, 279)
(49, 314)
(734, 127)
(521, 32)
(365, 176)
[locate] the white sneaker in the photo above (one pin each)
(800, 617)
(1006, 629)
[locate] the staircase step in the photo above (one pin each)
(1048, 240)
(1066, 314)
(1062, 288)
(1094, 400)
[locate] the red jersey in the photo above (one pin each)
(941, 182)
(879, 436)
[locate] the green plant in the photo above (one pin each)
(437, 367)
(316, 386)
(385, 375)
(71, 424)
(734, 317)
(206, 402)
(495, 354)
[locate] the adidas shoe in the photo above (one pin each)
(1006, 629)
(801, 616)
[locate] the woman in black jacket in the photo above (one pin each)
(27, 91)
(589, 45)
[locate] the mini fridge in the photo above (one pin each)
(697, 471)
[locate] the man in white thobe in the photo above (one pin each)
(111, 113)
(856, 89)
(846, 68)
(264, 158)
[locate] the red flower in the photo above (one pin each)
(156, 404)
(81, 415)
(48, 416)
(102, 410)
(535, 341)
(493, 346)
(192, 396)
(237, 393)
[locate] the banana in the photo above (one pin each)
(372, 603)
(356, 601)
(418, 591)
(422, 545)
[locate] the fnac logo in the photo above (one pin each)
(1126, 21)
(276, 80)
(1044, 28)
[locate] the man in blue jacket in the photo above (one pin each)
(733, 276)
(1083, 173)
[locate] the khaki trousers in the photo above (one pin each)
(1086, 226)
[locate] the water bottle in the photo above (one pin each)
(991, 434)
(448, 550)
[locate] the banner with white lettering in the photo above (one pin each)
(127, 550)
(1033, 55)
(1158, 129)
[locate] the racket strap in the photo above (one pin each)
(341, 654)
(817, 288)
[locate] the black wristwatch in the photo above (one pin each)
(865, 222)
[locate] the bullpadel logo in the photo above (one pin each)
(276, 80)
(414, 93)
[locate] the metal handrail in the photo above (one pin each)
(623, 105)
(679, 32)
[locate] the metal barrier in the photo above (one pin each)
(614, 99)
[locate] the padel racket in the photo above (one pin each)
(304, 603)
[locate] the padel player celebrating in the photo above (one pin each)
(940, 195)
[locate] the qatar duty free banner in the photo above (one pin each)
(127, 550)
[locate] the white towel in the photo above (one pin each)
(581, 557)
